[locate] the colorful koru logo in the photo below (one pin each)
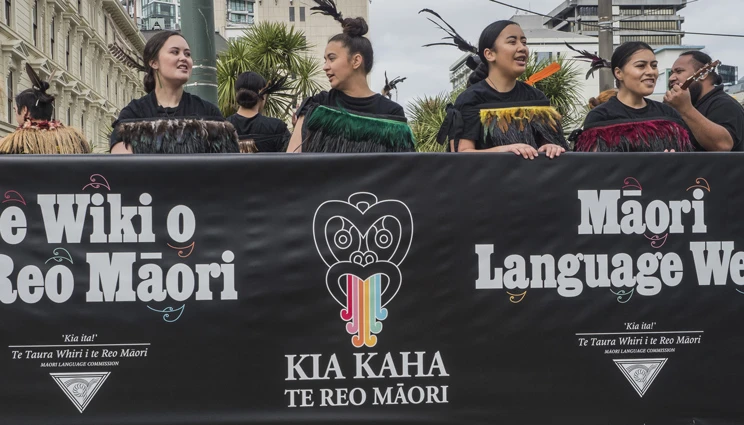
(363, 241)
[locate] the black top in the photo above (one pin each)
(613, 110)
(470, 103)
(725, 111)
(269, 134)
(374, 105)
(147, 107)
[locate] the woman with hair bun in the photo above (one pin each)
(497, 112)
(168, 119)
(350, 117)
(256, 132)
(37, 132)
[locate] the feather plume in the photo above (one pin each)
(457, 40)
(36, 82)
(274, 86)
(178, 136)
(596, 61)
(328, 8)
(391, 85)
(543, 73)
(124, 58)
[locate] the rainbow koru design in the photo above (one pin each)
(364, 310)
(368, 238)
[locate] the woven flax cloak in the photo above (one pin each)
(44, 137)
(335, 130)
(178, 135)
(638, 135)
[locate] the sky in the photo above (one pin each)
(398, 32)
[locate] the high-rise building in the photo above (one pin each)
(634, 20)
(231, 17)
(66, 43)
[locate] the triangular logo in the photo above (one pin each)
(80, 387)
(640, 372)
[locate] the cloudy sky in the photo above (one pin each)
(398, 33)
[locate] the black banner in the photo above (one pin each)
(364, 289)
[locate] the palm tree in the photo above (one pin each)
(273, 50)
(427, 114)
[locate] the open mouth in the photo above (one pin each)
(330, 77)
(649, 82)
(521, 60)
(183, 67)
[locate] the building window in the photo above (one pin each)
(67, 52)
(80, 6)
(544, 56)
(105, 28)
(7, 12)
(9, 83)
(302, 14)
(82, 122)
(291, 14)
(81, 63)
(35, 23)
(69, 115)
(51, 32)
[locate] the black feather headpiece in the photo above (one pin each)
(280, 84)
(596, 61)
(391, 85)
(126, 59)
(328, 8)
(457, 40)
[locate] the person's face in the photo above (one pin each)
(510, 52)
(684, 68)
(21, 114)
(174, 61)
(640, 73)
(339, 65)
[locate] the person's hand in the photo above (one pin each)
(121, 148)
(669, 150)
(551, 150)
(527, 151)
(678, 99)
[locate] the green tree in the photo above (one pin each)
(426, 114)
(273, 50)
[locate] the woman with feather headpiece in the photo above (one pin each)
(497, 112)
(628, 121)
(258, 133)
(350, 117)
(37, 132)
(168, 119)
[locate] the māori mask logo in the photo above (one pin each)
(363, 241)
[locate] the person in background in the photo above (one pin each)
(168, 119)
(715, 119)
(602, 98)
(37, 132)
(256, 132)
(350, 117)
(629, 122)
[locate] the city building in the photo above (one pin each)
(231, 17)
(634, 20)
(66, 43)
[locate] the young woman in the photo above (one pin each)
(37, 132)
(498, 113)
(629, 122)
(168, 119)
(350, 117)
(257, 133)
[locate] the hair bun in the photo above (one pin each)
(44, 87)
(247, 98)
(479, 74)
(355, 27)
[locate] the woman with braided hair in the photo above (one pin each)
(37, 132)
(350, 117)
(168, 119)
(497, 112)
(258, 133)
